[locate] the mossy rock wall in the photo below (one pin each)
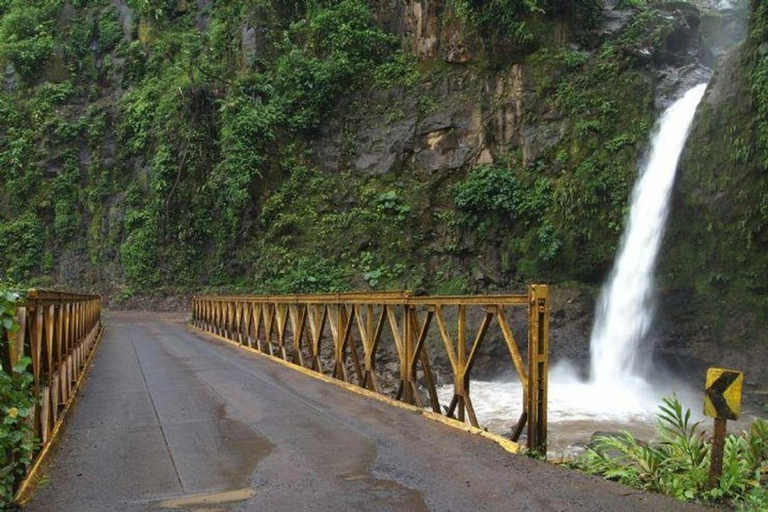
(715, 261)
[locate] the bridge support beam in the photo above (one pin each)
(538, 367)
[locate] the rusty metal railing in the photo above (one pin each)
(296, 327)
(57, 331)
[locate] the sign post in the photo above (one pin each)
(722, 401)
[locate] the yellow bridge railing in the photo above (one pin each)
(58, 332)
(301, 328)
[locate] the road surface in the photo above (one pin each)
(172, 420)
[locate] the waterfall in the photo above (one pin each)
(618, 395)
(625, 310)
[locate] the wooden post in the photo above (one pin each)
(718, 445)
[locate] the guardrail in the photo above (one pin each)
(295, 328)
(58, 332)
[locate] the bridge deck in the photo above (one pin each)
(169, 419)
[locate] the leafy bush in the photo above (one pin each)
(21, 246)
(343, 45)
(390, 205)
(17, 444)
(247, 129)
(139, 251)
(504, 20)
(499, 19)
(678, 464)
(157, 9)
(25, 36)
(347, 31)
(110, 31)
(488, 191)
(310, 275)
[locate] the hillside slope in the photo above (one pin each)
(452, 146)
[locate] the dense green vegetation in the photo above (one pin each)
(519, 22)
(177, 146)
(168, 145)
(17, 444)
(678, 463)
(205, 127)
(182, 156)
(757, 66)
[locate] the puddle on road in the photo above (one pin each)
(353, 467)
(385, 494)
(209, 502)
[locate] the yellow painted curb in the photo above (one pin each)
(30, 482)
(506, 444)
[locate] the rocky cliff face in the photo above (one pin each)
(413, 144)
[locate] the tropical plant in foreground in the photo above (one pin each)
(17, 442)
(677, 464)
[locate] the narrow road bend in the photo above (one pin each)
(169, 419)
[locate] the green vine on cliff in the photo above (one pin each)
(209, 126)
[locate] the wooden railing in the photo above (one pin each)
(57, 331)
(295, 328)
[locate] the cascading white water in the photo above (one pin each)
(625, 310)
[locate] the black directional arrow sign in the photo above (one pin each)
(723, 394)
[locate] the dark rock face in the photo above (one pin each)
(614, 18)
(715, 248)
(472, 119)
(391, 134)
(417, 22)
(429, 29)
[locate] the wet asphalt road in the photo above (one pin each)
(170, 420)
